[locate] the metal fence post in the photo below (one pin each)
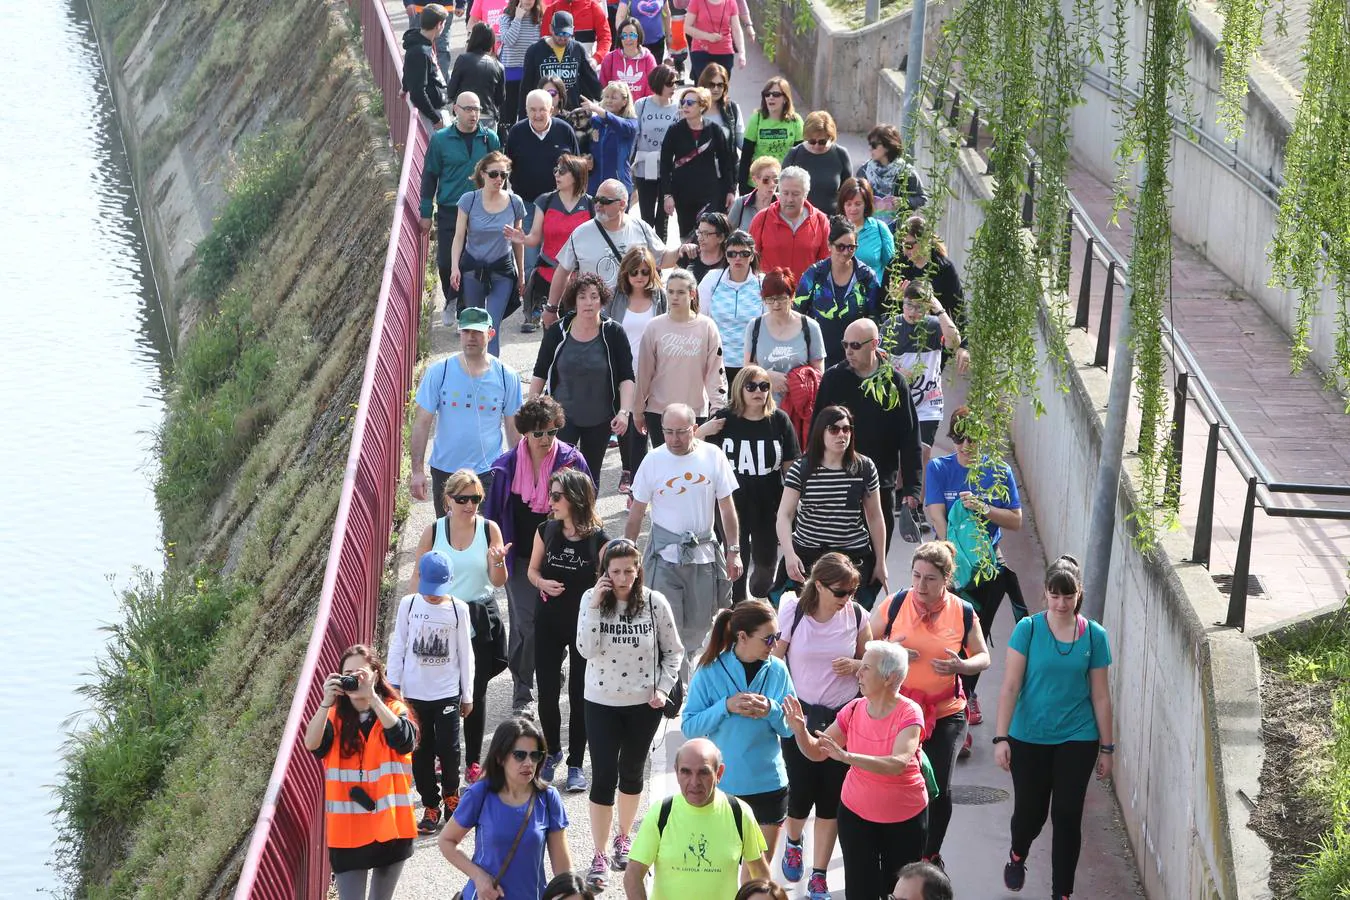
(1103, 354)
(1029, 199)
(1204, 519)
(1237, 597)
(973, 139)
(1172, 479)
(1085, 287)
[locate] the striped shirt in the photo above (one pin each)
(830, 512)
(517, 35)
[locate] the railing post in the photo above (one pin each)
(1204, 519)
(1237, 597)
(1029, 199)
(1172, 479)
(973, 139)
(1085, 287)
(955, 114)
(1103, 354)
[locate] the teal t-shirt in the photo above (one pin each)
(1055, 704)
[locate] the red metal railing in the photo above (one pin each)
(286, 855)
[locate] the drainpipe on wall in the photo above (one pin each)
(914, 68)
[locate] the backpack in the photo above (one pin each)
(967, 622)
(737, 813)
(799, 401)
(799, 612)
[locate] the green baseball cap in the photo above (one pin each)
(475, 318)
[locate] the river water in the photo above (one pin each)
(80, 398)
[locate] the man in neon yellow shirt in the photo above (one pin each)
(696, 840)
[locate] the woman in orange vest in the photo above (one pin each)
(944, 641)
(365, 735)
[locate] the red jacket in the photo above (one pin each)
(779, 245)
(590, 23)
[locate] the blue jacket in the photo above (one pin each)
(613, 150)
(750, 747)
(447, 172)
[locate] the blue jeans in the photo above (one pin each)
(475, 293)
(531, 253)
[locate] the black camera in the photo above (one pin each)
(349, 683)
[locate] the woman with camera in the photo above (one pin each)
(363, 726)
(628, 635)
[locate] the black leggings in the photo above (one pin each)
(592, 441)
(865, 561)
(875, 852)
(632, 446)
(489, 658)
(658, 49)
(941, 748)
(446, 221)
(621, 740)
(689, 202)
(651, 206)
(1053, 779)
(437, 738)
(757, 514)
(987, 598)
(555, 636)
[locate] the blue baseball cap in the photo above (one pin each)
(435, 573)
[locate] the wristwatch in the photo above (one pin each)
(1000, 739)
(734, 548)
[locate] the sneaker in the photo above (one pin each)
(598, 876)
(472, 774)
(973, 714)
(626, 482)
(576, 780)
(1015, 872)
(622, 845)
(550, 767)
(792, 861)
(431, 820)
(613, 440)
(529, 326)
(965, 748)
(817, 888)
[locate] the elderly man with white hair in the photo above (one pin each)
(791, 233)
(883, 809)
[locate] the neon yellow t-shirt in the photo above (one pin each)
(698, 854)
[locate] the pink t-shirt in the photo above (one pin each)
(813, 646)
(717, 18)
(881, 798)
(489, 11)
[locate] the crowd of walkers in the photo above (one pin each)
(773, 381)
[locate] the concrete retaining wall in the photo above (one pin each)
(1214, 208)
(836, 68)
(1187, 703)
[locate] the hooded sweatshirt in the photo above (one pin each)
(590, 23)
(750, 747)
(422, 78)
(573, 68)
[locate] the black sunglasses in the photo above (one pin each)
(534, 756)
(846, 248)
(717, 84)
(841, 594)
(857, 345)
(754, 386)
(496, 173)
(818, 142)
(839, 428)
(555, 496)
(767, 94)
(960, 439)
(462, 499)
(606, 201)
(740, 254)
(550, 433)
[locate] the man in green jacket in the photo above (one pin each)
(447, 173)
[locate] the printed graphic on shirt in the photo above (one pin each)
(565, 68)
(626, 631)
(757, 457)
(916, 355)
(483, 398)
(565, 559)
(433, 642)
(779, 359)
(684, 345)
(682, 484)
(696, 854)
(629, 71)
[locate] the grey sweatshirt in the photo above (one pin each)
(621, 653)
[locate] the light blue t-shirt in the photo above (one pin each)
(1055, 704)
(732, 306)
(945, 478)
(469, 412)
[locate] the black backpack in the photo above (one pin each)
(737, 813)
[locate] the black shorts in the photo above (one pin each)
(770, 808)
(815, 785)
(928, 431)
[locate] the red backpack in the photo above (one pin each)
(799, 402)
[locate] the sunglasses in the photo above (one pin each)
(839, 428)
(643, 273)
(771, 639)
(534, 756)
(857, 345)
(619, 542)
(818, 142)
(561, 171)
(740, 254)
(501, 173)
(875, 144)
(672, 432)
(689, 101)
(768, 179)
(628, 35)
(606, 201)
(551, 92)
(909, 245)
(717, 84)
(463, 499)
(550, 433)
(846, 248)
(842, 594)
(768, 94)
(555, 496)
(754, 386)
(959, 439)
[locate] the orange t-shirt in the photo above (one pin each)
(931, 637)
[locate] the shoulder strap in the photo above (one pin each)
(858, 615)
(664, 815)
(604, 233)
(754, 339)
(897, 601)
(738, 813)
(806, 336)
(797, 614)
(967, 620)
(515, 845)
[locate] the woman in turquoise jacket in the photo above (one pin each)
(736, 700)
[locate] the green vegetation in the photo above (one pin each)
(853, 13)
(146, 698)
(1319, 655)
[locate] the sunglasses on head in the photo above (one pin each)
(496, 173)
(768, 94)
(550, 433)
(857, 345)
(606, 201)
(534, 756)
(754, 386)
(462, 499)
(844, 247)
(740, 254)
(839, 428)
(818, 142)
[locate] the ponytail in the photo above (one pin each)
(746, 616)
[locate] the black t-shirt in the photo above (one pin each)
(757, 450)
(527, 522)
(574, 563)
(752, 669)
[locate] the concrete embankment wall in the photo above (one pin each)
(1187, 704)
(1217, 206)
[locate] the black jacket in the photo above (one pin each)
(617, 350)
(709, 176)
(484, 76)
(422, 78)
(574, 69)
(889, 437)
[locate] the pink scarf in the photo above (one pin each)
(533, 492)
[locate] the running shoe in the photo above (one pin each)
(529, 326)
(792, 861)
(817, 888)
(626, 482)
(431, 820)
(965, 748)
(1015, 872)
(598, 876)
(973, 714)
(622, 845)
(576, 780)
(550, 767)
(472, 774)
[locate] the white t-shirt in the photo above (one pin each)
(587, 251)
(683, 491)
(431, 654)
(634, 324)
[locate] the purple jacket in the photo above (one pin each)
(498, 504)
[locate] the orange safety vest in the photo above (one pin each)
(384, 774)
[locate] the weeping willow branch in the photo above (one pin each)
(1243, 28)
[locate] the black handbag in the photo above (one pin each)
(675, 700)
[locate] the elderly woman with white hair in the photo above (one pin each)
(883, 810)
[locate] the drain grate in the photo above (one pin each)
(977, 795)
(1254, 586)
